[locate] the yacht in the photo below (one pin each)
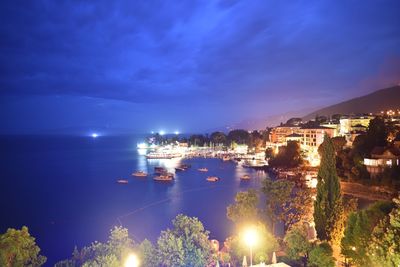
(160, 170)
(139, 174)
(203, 170)
(122, 181)
(164, 177)
(245, 177)
(212, 179)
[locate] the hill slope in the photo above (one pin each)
(388, 98)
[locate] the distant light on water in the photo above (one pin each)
(142, 146)
(176, 132)
(95, 135)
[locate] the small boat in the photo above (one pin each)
(212, 179)
(122, 181)
(139, 174)
(163, 178)
(226, 158)
(180, 169)
(245, 177)
(203, 170)
(160, 170)
(186, 166)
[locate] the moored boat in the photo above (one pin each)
(160, 170)
(245, 177)
(203, 170)
(164, 177)
(139, 174)
(226, 158)
(180, 169)
(212, 179)
(122, 181)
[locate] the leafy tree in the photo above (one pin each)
(277, 198)
(18, 248)
(266, 244)
(299, 208)
(329, 214)
(238, 136)
(338, 143)
(269, 153)
(384, 247)
(218, 138)
(244, 208)
(111, 253)
(187, 244)
(256, 140)
(321, 255)
(288, 156)
(147, 254)
(358, 232)
(376, 133)
(198, 140)
(298, 245)
(170, 251)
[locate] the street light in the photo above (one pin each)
(250, 238)
(131, 261)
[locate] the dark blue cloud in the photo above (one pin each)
(240, 57)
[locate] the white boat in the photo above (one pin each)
(226, 158)
(139, 174)
(245, 177)
(164, 177)
(122, 181)
(212, 179)
(203, 170)
(160, 155)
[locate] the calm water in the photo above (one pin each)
(64, 189)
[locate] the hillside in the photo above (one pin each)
(388, 98)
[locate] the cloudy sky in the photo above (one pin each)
(187, 65)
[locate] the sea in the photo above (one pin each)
(64, 189)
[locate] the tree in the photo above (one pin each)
(147, 254)
(18, 248)
(277, 198)
(338, 143)
(238, 136)
(187, 244)
(218, 138)
(358, 232)
(244, 208)
(266, 244)
(299, 209)
(321, 255)
(384, 247)
(329, 214)
(297, 243)
(376, 133)
(288, 156)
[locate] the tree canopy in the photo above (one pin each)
(245, 207)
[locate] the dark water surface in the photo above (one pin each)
(64, 189)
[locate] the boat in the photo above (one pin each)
(226, 158)
(139, 174)
(122, 181)
(155, 155)
(186, 166)
(180, 169)
(245, 177)
(164, 177)
(203, 170)
(160, 170)
(212, 179)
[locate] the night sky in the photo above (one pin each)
(138, 66)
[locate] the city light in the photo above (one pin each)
(161, 132)
(95, 135)
(132, 261)
(176, 132)
(142, 146)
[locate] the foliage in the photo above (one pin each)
(358, 231)
(329, 214)
(218, 138)
(187, 244)
(238, 136)
(244, 208)
(256, 140)
(288, 156)
(321, 255)
(338, 143)
(299, 209)
(277, 197)
(265, 245)
(147, 254)
(384, 247)
(111, 253)
(198, 140)
(18, 248)
(297, 244)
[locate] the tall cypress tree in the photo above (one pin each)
(328, 206)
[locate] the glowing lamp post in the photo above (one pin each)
(131, 261)
(250, 238)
